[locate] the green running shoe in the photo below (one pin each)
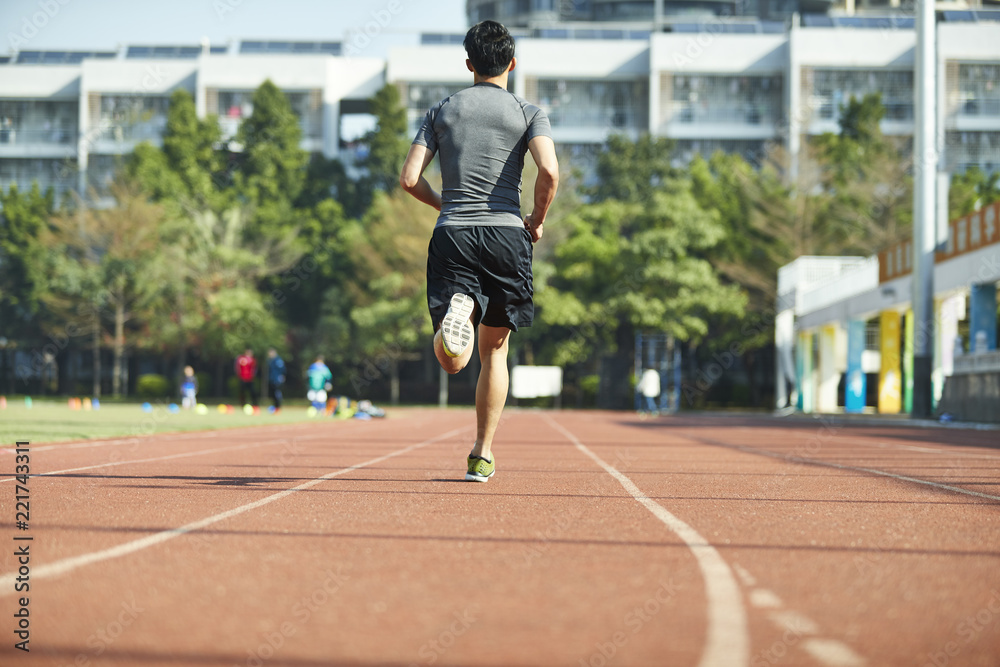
(480, 470)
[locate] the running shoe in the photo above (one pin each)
(480, 470)
(456, 330)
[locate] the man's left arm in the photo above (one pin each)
(411, 178)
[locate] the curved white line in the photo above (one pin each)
(728, 640)
(69, 564)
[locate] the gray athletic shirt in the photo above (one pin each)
(481, 135)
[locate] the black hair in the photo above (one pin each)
(490, 48)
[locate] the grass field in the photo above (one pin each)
(51, 421)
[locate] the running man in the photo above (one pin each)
(479, 258)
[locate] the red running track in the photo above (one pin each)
(603, 540)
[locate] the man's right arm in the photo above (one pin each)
(543, 152)
(411, 178)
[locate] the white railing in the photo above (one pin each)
(983, 362)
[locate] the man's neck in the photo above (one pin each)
(500, 81)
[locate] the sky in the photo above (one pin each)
(105, 24)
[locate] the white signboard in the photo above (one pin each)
(535, 381)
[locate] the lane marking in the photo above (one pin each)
(841, 466)
(727, 642)
(746, 577)
(832, 652)
(764, 599)
(66, 565)
(111, 464)
(793, 621)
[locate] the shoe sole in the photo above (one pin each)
(456, 331)
(469, 477)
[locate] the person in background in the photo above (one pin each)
(649, 387)
(319, 382)
(275, 377)
(246, 371)
(189, 389)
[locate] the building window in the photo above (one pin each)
(38, 122)
(132, 117)
(615, 105)
(826, 91)
(58, 174)
(419, 97)
(752, 150)
(978, 89)
(748, 100)
(972, 149)
(623, 11)
(233, 106)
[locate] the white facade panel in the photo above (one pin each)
(840, 48)
(969, 41)
(715, 53)
(428, 63)
(145, 77)
(40, 81)
(246, 72)
(583, 59)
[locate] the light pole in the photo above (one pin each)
(924, 207)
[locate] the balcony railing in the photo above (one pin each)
(749, 114)
(600, 117)
(15, 136)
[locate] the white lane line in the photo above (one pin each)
(111, 464)
(728, 639)
(832, 652)
(741, 572)
(761, 598)
(118, 441)
(841, 466)
(69, 564)
(793, 621)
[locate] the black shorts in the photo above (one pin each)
(492, 264)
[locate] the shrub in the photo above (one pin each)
(152, 385)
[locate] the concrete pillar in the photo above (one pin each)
(983, 318)
(804, 371)
(855, 386)
(829, 378)
(951, 311)
(889, 381)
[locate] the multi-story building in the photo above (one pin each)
(67, 118)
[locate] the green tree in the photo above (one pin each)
(971, 190)
(101, 260)
(186, 173)
(389, 304)
(635, 259)
(868, 178)
(272, 169)
(387, 143)
(23, 218)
